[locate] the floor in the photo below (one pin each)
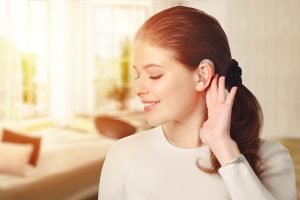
(293, 145)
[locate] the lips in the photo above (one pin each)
(149, 105)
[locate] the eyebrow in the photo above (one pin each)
(148, 65)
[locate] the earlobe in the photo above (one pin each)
(199, 86)
(205, 72)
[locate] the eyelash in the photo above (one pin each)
(137, 77)
(155, 77)
(151, 77)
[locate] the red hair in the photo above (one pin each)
(192, 35)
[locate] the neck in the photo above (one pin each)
(185, 133)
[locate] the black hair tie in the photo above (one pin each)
(233, 75)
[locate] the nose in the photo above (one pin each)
(140, 88)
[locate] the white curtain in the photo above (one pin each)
(10, 81)
(68, 68)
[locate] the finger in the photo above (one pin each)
(208, 97)
(214, 88)
(221, 89)
(231, 95)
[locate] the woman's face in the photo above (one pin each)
(165, 87)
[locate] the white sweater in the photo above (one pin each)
(145, 166)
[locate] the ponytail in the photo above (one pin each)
(246, 123)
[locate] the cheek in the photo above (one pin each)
(175, 90)
(165, 88)
(184, 98)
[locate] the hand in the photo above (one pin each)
(215, 131)
(219, 107)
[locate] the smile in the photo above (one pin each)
(148, 105)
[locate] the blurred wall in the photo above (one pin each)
(265, 38)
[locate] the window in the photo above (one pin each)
(24, 54)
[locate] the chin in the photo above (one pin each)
(155, 121)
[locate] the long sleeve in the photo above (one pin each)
(276, 179)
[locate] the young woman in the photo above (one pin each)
(206, 142)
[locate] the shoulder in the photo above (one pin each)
(275, 156)
(271, 148)
(120, 161)
(268, 146)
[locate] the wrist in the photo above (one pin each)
(225, 150)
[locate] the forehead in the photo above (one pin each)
(146, 53)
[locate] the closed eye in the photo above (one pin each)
(155, 77)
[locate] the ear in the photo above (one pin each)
(204, 74)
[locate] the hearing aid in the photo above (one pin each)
(208, 62)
